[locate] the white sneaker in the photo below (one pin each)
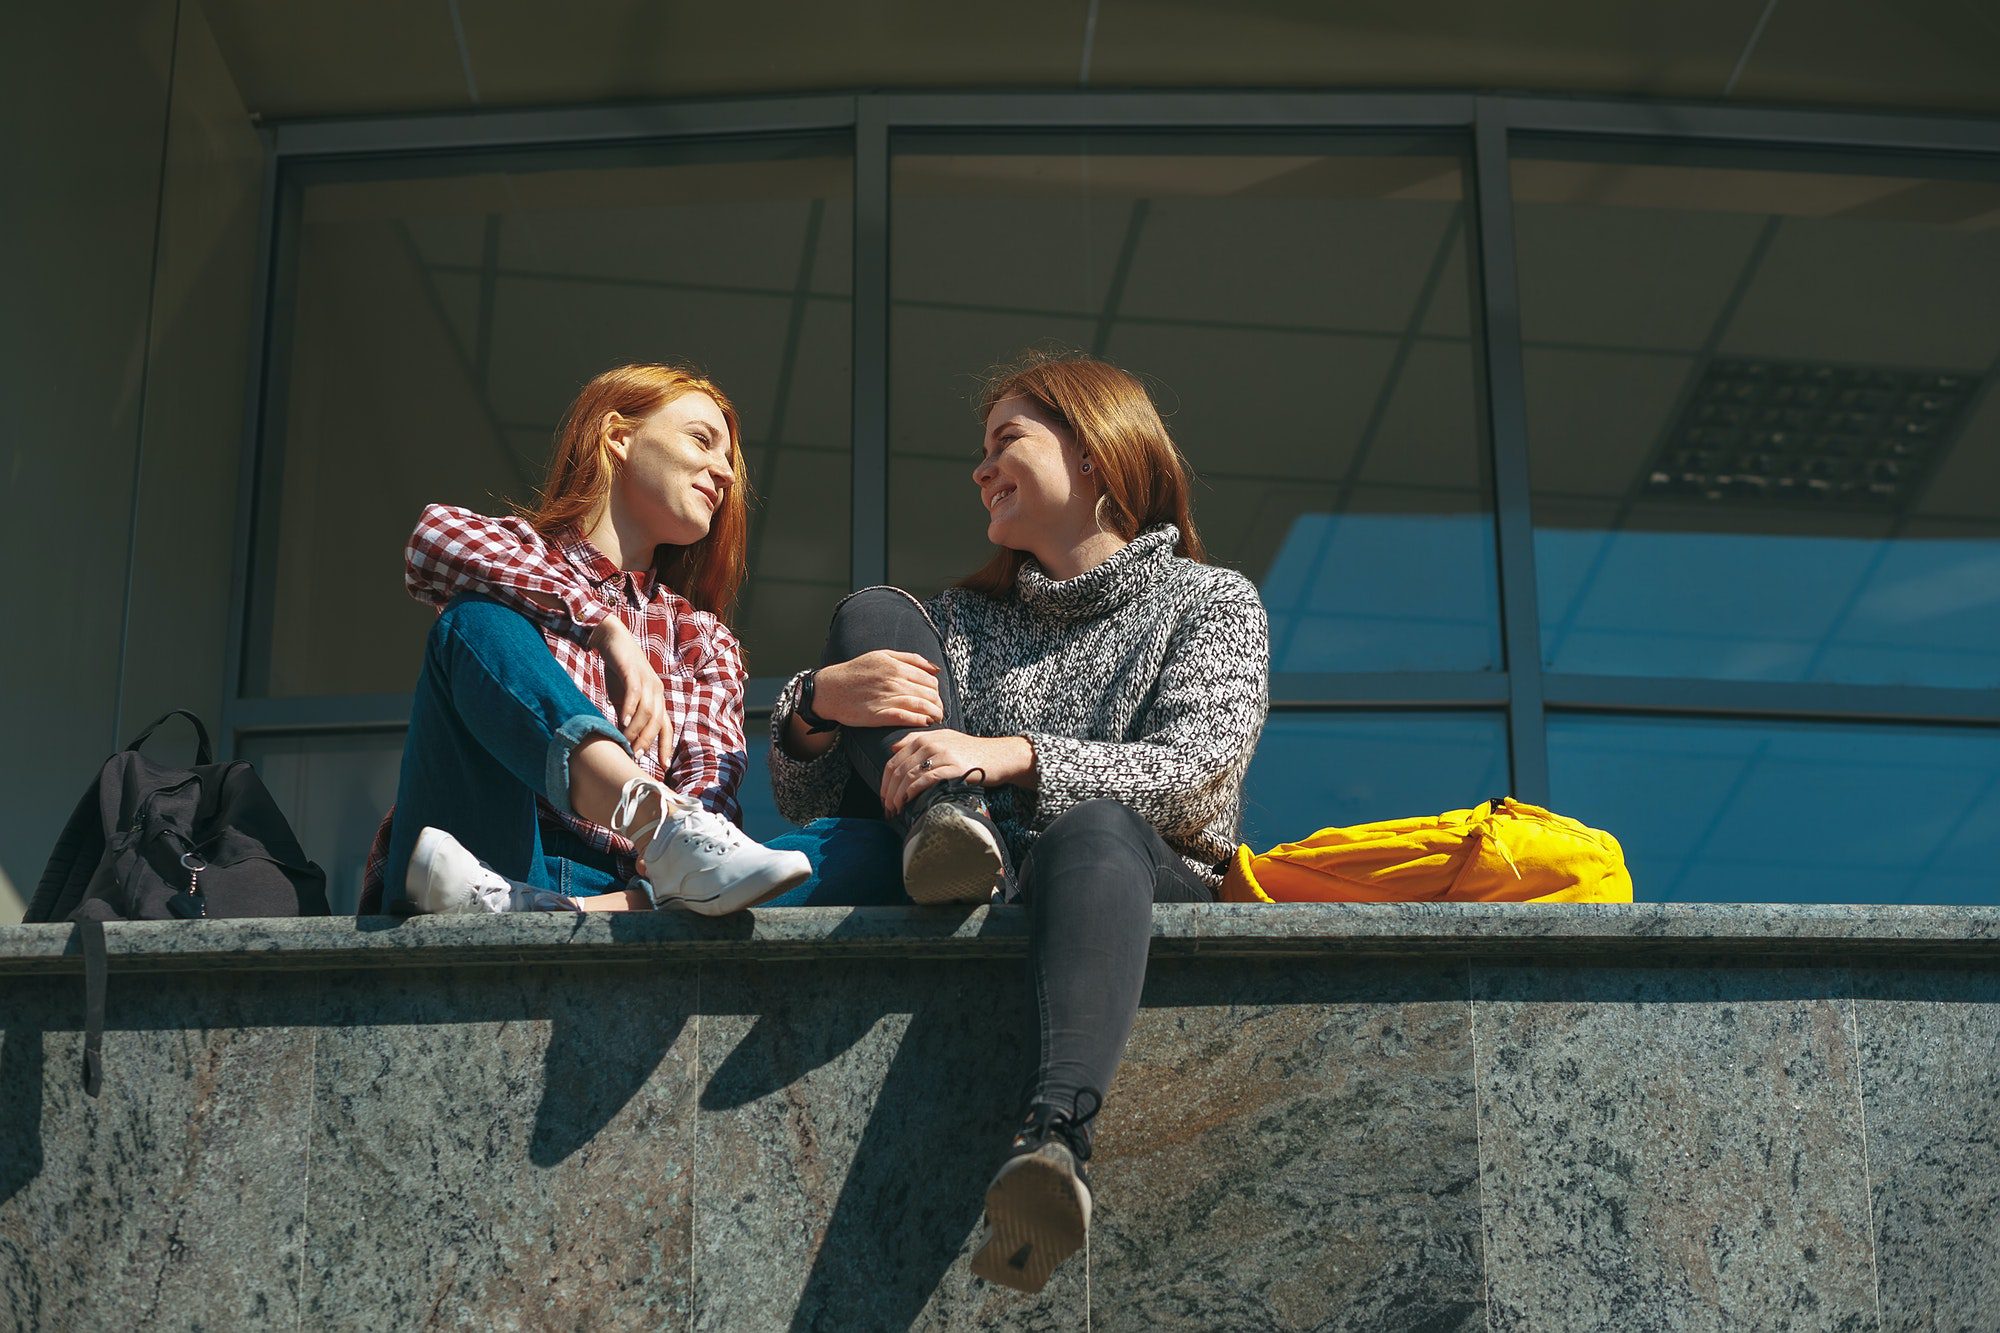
(698, 859)
(444, 877)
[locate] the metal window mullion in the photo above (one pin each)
(1348, 690)
(1681, 122)
(1175, 109)
(1180, 109)
(1822, 701)
(246, 463)
(1507, 435)
(270, 444)
(868, 560)
(559, 127)
(297, 715)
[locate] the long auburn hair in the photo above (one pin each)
(1145, 478)
(709, 573)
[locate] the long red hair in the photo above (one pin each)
(1146, 480)
(708, 573)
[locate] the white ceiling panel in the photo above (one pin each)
(940, 357)
(1628, 277)
(1430, 434)
(1874, 293)
(1594, 417)
(1270, 404)
(1353, 264)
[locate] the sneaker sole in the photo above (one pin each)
(951, 858)
(749, 891)
(1036, 1217)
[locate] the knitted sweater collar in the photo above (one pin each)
(1119, 580)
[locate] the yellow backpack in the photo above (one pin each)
(1502, 851)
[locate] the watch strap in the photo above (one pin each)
(815, 724)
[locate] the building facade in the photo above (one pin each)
(1629, 444)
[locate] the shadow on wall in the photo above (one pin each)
(908, 1117)
(591, 1070)
(21, 1076)
(593, 1066)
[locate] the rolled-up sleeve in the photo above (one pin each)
(455, 550)
(804, 789)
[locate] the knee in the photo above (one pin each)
(1091, 858)
(479, 618)
(1100, 822)
(869, 619)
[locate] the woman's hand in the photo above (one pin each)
(1006, 760)
(885, 688)
(635, 688)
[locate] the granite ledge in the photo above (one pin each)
(1515, 932)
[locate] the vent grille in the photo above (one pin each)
(1810, 434)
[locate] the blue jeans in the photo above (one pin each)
(492, 727)
(856, 863)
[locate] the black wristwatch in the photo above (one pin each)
(815, 724)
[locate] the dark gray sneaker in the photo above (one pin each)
(1038, 1206)
(952, 849)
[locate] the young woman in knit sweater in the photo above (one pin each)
(1069, 726)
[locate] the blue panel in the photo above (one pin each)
(1325, 770)
(1788, 812)
(1425, 603)
(1764, 606)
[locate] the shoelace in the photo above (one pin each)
(1065, 1125)
(710, 832)
(963, 790)
(700, 826)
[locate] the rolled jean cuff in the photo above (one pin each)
(555, 777)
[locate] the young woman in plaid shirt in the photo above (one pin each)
(576, 737)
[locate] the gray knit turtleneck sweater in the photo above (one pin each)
(1145, 680)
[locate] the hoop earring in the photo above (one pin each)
(1097, 516)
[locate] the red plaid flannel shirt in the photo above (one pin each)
(698, 659)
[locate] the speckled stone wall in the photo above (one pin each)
(1405, 1118)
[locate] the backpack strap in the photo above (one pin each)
(90, 935)
(203, 752)
(73, 861)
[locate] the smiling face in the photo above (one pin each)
(677, 464)
(1030, 479)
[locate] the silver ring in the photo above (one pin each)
(924, 767)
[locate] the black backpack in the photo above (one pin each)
(150, 843)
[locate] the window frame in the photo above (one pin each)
(1522, 689)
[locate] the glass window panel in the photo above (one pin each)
(1328, 770)
(1764, 441)
(443, 313)
(1787, 811)
(1300, 307)
(334, 789)
(761, 819)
